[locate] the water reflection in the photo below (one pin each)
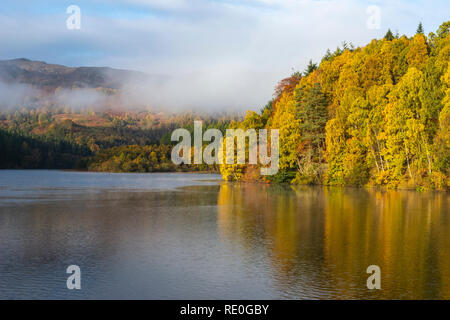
(213, 240)
(321, 240)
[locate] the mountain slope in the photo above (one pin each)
(50, 76)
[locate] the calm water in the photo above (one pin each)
(190, 236)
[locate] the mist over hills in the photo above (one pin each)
(42, 75)
(33, 84)
(54, 116)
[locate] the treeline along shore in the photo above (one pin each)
(377, 115)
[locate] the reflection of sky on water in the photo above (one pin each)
(24, 186)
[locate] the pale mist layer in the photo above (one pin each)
(228, 90)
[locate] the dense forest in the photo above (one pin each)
(19, 151)
(376, 115)
(54, 138)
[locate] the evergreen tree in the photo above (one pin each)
(310, 68)
(389, 35)
(420, 29)
(328, 55)
(312, 110)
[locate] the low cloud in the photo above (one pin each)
(79, 98)
(17, 96)
(13, 95)
(224, 88)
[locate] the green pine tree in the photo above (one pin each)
(327, 55)
(389, 35)
(310, 68)
(420, 29)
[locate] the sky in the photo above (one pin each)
(217, 53)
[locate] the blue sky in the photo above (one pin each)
(224, 52)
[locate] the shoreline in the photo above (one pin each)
(369, 187)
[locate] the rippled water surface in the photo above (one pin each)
(192, 236)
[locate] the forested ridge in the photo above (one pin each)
(375, 115)
(19, 151)
(53, 138)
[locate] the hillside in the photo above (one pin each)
(51, 76)
(102, 141)
(374, 115)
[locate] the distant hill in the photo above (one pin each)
(50, 76)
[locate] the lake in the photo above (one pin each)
(193, 236)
